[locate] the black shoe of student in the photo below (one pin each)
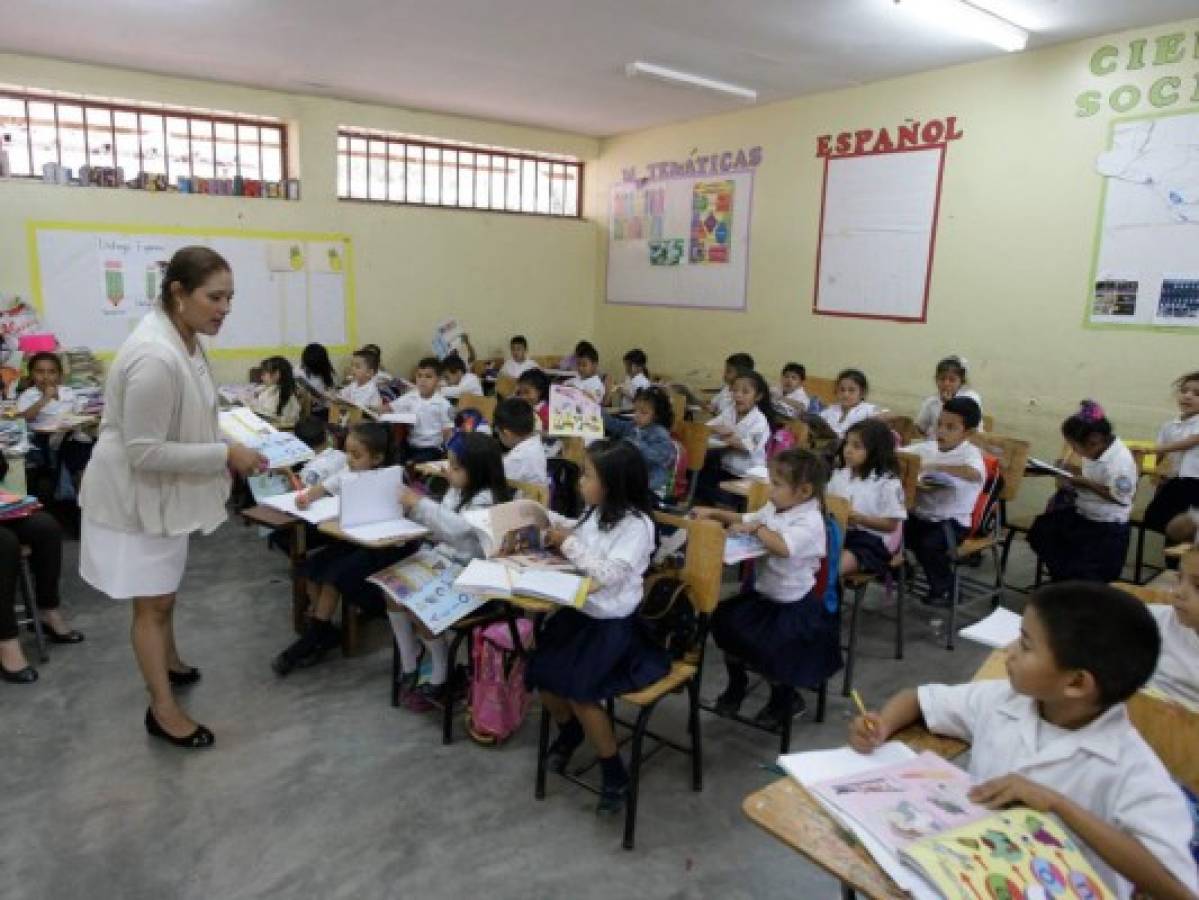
(200, 739)
(729, 703)
(775, 713)
(557, 758)
(302, 648)
(59, 637)
(612, 798)
(27, 675)
(937, 600)
(326, 637)
(186, 678)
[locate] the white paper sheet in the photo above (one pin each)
(997, 630)
(482, 576)
(323, 509)
(372, 497)
(396, 529)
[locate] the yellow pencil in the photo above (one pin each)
(857, 699)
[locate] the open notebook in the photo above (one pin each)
(370, 507)
(321, 510)
(493, 578)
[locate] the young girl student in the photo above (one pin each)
(743, 428)
(533, 387)
(950, 378)
(43, 405)
(649, 432)
(1085, 537)
(476, 477)
(869, 480)
(316, 369)
(1178, 460)
(363, 390)
(277, 399)
(586, 656)
(781, 626)
(340, 569)
(851, 405)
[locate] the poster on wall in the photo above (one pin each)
(711, 222)
(1146, 263)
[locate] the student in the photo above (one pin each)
(869, 479)
(744, 427)
(534, 388)
(1055, 736)
(516, 428)
(586, 656)
(363, 390)
(1177, 452)
(277, 399)
(851, 405)
(734, 365)
(944, 513)
(1085, 537)
(790, 395)
(316, 369)
(519, 363)
(44, 404)
(780, 627)
(649, 432)
(458, 380)
(950, 377)
(572, 361)
(589, 378)
(382, 376)
(341, 568)
(328, 460)
(434, 415)
(636, 378)
(476, 478)
(1177, 672)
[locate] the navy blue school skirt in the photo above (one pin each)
(347, 566)
(1173, 498)
(789, 643)
(586, 659)
(869, 550)
(1075, 548)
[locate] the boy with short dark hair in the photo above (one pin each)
(589, 378)
(636, 378)
(791, 398)
(519, 362)
(434, 417)
(1056, 736)
(458, 380)
(328, 460)
(516, 428)
(363, 389)
(734, 365)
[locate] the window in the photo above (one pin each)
(396, 168)
(176, 142)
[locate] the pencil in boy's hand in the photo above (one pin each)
(857, 701)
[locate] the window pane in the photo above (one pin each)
(414, 187)
(449, 177)
(272, 154)
(343, 158)
(153, 149)
(482, 181)
(45, 135)
(571, 206)
(179, 163)
(14, 134)
(70, 136)
(203, 155)
(395, 182)
(432, 175)
(247, 152)
(528, 185)
(378, 171)
(99, 136)
(466, 178)
(226, 149)
(512, 177)
(499, 181)
(358, 185)
(128, 158)
(543, 187)
(557, 183)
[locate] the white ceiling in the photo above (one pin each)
(555, 63)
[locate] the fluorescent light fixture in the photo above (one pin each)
(971, 20)
(686, 79)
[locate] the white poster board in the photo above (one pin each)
(877, 234)
(680, 241)
(1146, 270)
(93, 283)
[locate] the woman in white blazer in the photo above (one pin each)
(159, 472)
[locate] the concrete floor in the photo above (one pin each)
(317, 788)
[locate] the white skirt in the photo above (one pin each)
(125, 565)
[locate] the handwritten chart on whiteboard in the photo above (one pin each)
(93, 283)
(877, 234)
(681, 241)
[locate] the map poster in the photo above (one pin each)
(711, 222)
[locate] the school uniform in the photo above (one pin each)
(601, 650)
(266, 403)
(1180, 491)
(434, 415)
(1177, 672)
(514, 369)
(943, 514)
(655, 445)
(930, 410)
(793, 404)
(469, 384)
(722, 401)
(65, 454)
(1089, 540)
(526, 462)
(1105, 766)
(456, 538)
(840, 419)
(364, 395)
(781, 627)
(630, 386)
(877, 496)
(593, 386)
(53, 411)
(753, 431)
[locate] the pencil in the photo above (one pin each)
(857, 700)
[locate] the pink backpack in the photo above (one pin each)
(780, 440)
(497, 700)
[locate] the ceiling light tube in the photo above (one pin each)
(686, 79)
(973, 21)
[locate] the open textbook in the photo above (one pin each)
(282, 449)
(508, 528)
(424, 584)
(574, 413)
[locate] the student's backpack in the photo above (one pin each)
(780, 440)
(828, 578)
(667, 614)
(564, 487)
(987, 506)
(675, 490)
(497, 700)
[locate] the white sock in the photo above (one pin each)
(405, 639)
(439, 653)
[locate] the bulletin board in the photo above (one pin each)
(92, 284)
(878, 232)
(681, 241)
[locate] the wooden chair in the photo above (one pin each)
(678, 407)
(548, 361)
(532, 491)
(909, 476)
(801, 432)
(574, 450)
(344, 415)
(757, 496)
(694, 438)
(505, 387)
(904, 426)
(824, 389)
(701, 573)
(485, 405)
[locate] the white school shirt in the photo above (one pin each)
(433, 415)
(1185, 464)
(52, 411)
(878, 495)
(630, 386)
(1118, 471)
(839, 421)
(1177, 672)
(722, 401)
(798, 398)
(514, 369)
(325, 465)
(365, 395)
(1105, 766)
(593, 386)
(753, 430)
(957, 500)
(316, 382)
(456, 538)
(614, 559)
(526, 461)
(787, 579)
(930, 409)
(469, 384)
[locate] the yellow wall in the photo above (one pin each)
(414, 266)
(1014, 248)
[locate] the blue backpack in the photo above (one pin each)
(828, 579)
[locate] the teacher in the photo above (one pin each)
(160, 472)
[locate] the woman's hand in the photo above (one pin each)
(245, 461)
(409, 498)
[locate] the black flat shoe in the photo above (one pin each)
(200, 739)
(186, 678)
(611, 799)
(27, 675)
(59, 637)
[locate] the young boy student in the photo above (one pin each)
(516, 428)
(589, 379)
(1056, 736)
(519, 362)
(946, 506)
(363, 390)
(790, 398)
(434, 415)
(458, 380)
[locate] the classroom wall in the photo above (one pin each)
(414, 266)
(1019, 207)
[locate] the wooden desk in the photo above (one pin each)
(332, 528)
(269, 517)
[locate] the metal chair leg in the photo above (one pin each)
(900, 596)
(1139, 561)
(630, 812)
(852, 653)
(697, 755)
(785, 736)
(395, 672)
(543, 749)
(821, 700)
(35, 613)
(447, 711)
